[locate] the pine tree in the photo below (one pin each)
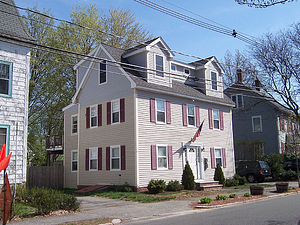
(219, 175)
(188, 179)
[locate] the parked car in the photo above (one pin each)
(253, 170)
(291, 164)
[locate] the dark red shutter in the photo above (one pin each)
(152, 110)
(212, 156)
(99, 158)
(87, 158)
(280, 123)
(170, 158)
(224, 157)
(210, 119)
(122, 110)
(99, 115)
(107, 158)
(123, 159)
(184, 117)
(108, 113)
(221, 120)
(168, 111)
(288, 126)
(87, 116)
(197, 116)
(153, 157)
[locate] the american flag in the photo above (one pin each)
(197, 134)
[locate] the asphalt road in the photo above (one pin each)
(274, 211)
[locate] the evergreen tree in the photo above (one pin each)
(188, 179)
(219, 175)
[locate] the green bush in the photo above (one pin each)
(229, 182)
(46, 200)
(221, 197)
(205, 200)
(188, 179)
(247, 195)
(242, 180)
(219, 175)
(232, 195)
(174, 186)
(156, 186)
(275, 161)
(121, 188)
(289, 175)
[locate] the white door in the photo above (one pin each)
(194, 161)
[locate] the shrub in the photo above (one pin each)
(205, 200)
(232, 195)
(221, 197)
(242, 180)
(156, 186)
(231, 182)
(247, 195)
(275, 161)
(188, 179)
(121, 188)
(219, 175)
(174, 186)
(289, 175)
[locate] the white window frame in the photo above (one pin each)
(9, 91)
(72, 124)
(175, 67)
(95, 116)
(156, 111)
(7, 135)
(194, 116)
(114, 158)
(74, 160)
(220, 158)
(162, 157)
(104, 62)
(158, 72)
(93, 158)
(260, 120)
(115, 111)
(237, 105)
(218, 119)
(214, 83)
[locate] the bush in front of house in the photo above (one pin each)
(289, 175)
(174, 186)
(46, 200)
(229, 182)
(275, 161)
(219, 175)
(188, 179)
(205, 200)
(221, 197)
(242, 180)
(121, 188)
(156, 186)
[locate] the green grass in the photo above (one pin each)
(22, 210)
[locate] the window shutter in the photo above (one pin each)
(99, 115)
(99, 158)
(280, 123)
(152, 110)
(184, 117)
(210, 119)
(107, 158)
(288, 126)
(283, 121)
(212, 156)
(123, 159)
(221, 120)
(87, 151)
(224, 157)
(197, 116)
(153, 157)
(122, 110)
(168, 112)
(87, 116)
(108, 113)
(170, 157)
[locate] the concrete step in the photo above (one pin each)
(208, 185)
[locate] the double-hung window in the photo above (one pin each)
(216, 119)
(115, 157)
(93, 160)
(160, 111)
(238, 100)
(5, 78)
(4, 134)
(218, 156)
(162, 161)
(102, 73)
(214, 80)
(191, 115)
(74, 160)
(256, 124)
(115, 111)
(159, 65)
(74, 124)
(94, 113)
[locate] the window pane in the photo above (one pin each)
(74, 166)
(74, 155)
(218, 160)
(218, 153)
(256, 124)
(4, 71)
(93, 153)
(162, 162)
(216, 124)
(161, 151)
(191, 110)
(115, 117)
(173, 67)
(103, 72)
(159, 65)
(4, 86)
(240, 101)
(115, 164)
(191, 120)
(115, 106)
(215, 114)
(93, 111)
(160, 105)
(2, 136)
(115, 152)
(161, 117)
(94, 121)
(93, 164)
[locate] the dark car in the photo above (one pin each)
(253, 170)
(290, 164)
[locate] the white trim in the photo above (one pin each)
(163, 66)
(86, 58)
(73, 134)
(78, 143)
(167, 157)
(219, 148)
(68, 106)
(110, 157)
(136, 137)
(74, 171)
(93, 149)
(260, 120)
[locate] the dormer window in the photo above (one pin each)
(159, 65)
(238, 100)
(102, 73)
(213, 81)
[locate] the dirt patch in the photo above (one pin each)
(198, 194)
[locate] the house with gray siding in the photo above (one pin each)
(15, 44)
(260, 125)
(136, 116)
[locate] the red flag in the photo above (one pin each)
(2, 152)
(197, 134)
(7, 197)
(4, 162)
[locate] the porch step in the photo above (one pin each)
(90, 188)
(208, 185)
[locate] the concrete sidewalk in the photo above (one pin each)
(96, 207)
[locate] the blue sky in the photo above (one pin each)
(188, 38)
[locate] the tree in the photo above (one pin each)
(52, 80)
(262, 3)
(188, 179)
(219, 175)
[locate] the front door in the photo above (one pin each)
(192, 158)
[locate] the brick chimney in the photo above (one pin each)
(257, 84)
(240, 76)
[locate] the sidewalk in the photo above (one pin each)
(95, 208)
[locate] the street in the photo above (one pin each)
(273, 211)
